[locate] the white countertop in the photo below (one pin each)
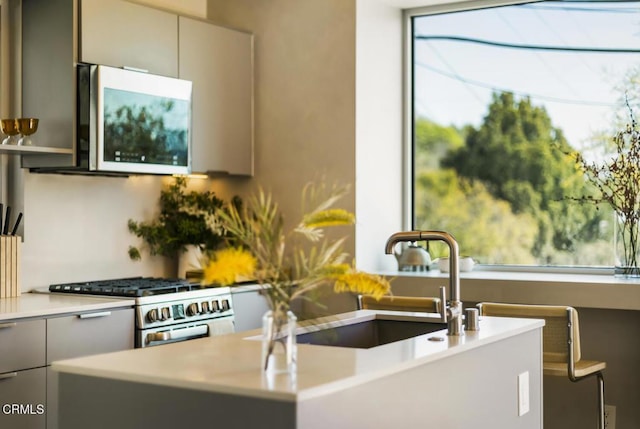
(231, 363)
(44, 304)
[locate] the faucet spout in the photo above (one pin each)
(454, 305)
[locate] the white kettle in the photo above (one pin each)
(413, 258)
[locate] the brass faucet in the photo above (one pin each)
(452, 315)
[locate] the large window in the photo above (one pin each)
(501, 97)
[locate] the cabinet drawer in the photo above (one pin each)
(89, 333)
(22, 345)
(22, 398)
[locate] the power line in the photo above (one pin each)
(519, 93)
(622, 10)
(456, 75)
(540, 57)
(532, 47)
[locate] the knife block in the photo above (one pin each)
(10, 247)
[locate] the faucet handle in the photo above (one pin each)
(443, 304)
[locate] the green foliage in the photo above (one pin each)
(433, 142)
(185, 218)
(519, 157)
(483, 226)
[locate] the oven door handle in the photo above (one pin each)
(178, 334)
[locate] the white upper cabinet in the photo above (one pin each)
(122, 34)
(219, 62)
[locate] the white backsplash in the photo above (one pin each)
(75, 228)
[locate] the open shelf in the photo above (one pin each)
(33, 150)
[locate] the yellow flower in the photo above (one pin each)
(360, 282)
(335, 270)
(329, 217)
(228, 264)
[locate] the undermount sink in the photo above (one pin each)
(369, 333)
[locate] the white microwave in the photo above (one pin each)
(132, 122)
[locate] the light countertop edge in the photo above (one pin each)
(230, 364)
(31, 305)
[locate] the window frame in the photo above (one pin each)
(408, 197)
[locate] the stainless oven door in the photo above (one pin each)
(184, 331)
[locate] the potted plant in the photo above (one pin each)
(186, 219)
(289, 264)
(617, 184)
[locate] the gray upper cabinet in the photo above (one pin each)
(48, 80)
(219, 62)
(56, 34)
(122, 34)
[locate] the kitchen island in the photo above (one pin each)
(465, 381)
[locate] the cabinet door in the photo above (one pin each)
(219, 62)
(248, 308)
(89, 333)
(22, 397)
(22, 345)
(81, 335)
(118, 33)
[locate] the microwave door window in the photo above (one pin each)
(142, 129)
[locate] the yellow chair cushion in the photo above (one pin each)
(583, 368)
(401, 303)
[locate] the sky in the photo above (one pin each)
(581, 91)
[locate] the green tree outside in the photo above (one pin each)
(504, 191)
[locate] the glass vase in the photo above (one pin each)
(279, 346)
(626, 242)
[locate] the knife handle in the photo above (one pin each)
(15, 227)
(7, 219)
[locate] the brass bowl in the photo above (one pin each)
(9, 127)
(27, 126)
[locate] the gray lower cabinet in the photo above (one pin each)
(28, 386)
(23, 399)
(22, 374)
(249, 305)
(81, 335)
(22, 345)
(89, 333)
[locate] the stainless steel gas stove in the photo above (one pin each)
(167, 310)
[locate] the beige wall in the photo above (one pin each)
(304, 91)
(305, 107)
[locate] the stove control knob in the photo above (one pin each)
(192, 309)
(215, 306)
(152, 315)
(225, 305)
(205, 307)
(165, 314)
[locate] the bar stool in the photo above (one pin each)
(400, 303)
(561, 343)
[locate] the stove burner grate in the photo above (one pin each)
(130, 287)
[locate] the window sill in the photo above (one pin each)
(578, 290)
